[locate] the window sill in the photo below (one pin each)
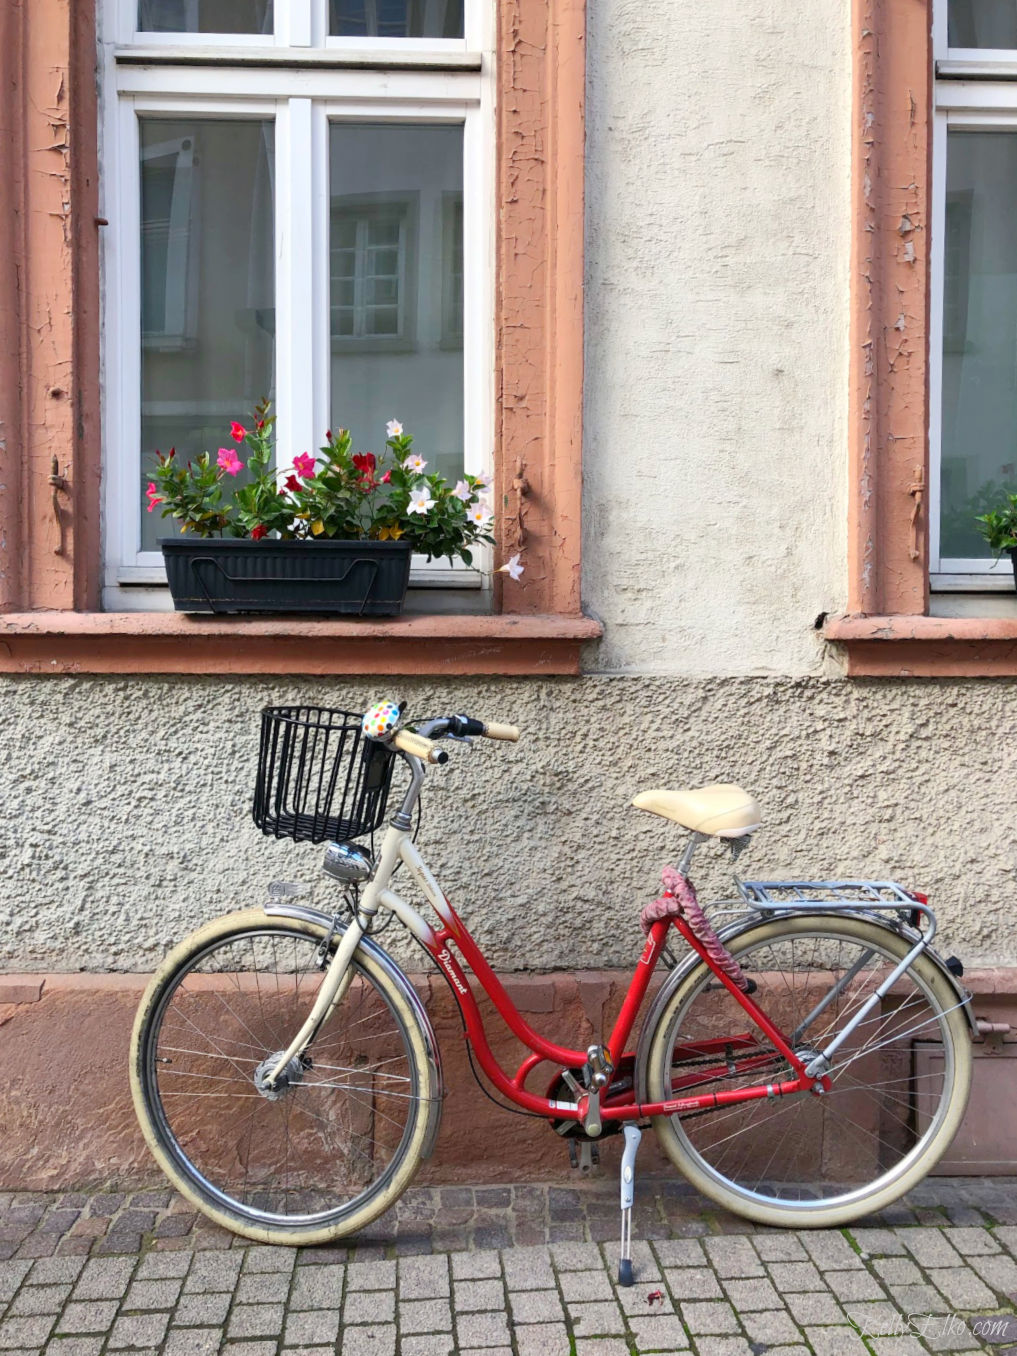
(904, 646)
(173, 642)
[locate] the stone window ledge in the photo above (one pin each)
(65, 642)
(913, 646)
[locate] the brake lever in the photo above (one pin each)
(461, 739)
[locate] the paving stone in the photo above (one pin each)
(733, 1256)
(897, 1270)
(536, 1306)
(930, 1247)
(971, 1242)
(793, 1276)
(50, 1271)
(153, 1294)
(87, 1316)
(433, 1344)
(660, 1333)
(835, 1342)
(104, 1278)
(141, 1332)
(644, 1264)
(636, 1301)
(262, 1257)
(250, 1348)
(709, 1317)
(25, 1332)
(897, 1346)
(203, 1311)
(482, 1330)
(377, 1340)
(543, 1339)
(316, 1287)
(918, 1299)
(423, 1277)
(962, 1287)
(780, 1247)
(771, 1326)
(829, 1250)
(998, 1272)
(73, 1346)
(586, 1285)
(193, 1342)
(576, 1256)
(157, 1266)
(318, 1327)
(597, 1318)
(11, 1276)
(469, 1266)
(687, 1283)
(878, 1242)
(213, 1271)
(369, 1306)
(746, 1295)
(371, 1276)
(528, 1269)
(814, 1306)
(680, 1252)
(255, 1320)
(39, 1299)
(434, 1315)
(731, 1346)
(854, 1285)
(263, 1287)
(601, 1346)
(473, 1295)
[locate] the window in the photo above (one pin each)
(312, 223)
(973, 341)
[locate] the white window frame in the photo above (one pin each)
(303, 79)
(975, 90)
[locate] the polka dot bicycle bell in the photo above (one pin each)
(380, 720)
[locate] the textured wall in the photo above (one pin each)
(718, 221)
(126, 805)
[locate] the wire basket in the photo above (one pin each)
(319, 780)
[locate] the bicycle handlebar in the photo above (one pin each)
(419, 746)
(496, 731)
(425, 745)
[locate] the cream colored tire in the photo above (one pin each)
(840, 1208)
(349, 1218)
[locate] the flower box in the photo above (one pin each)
(358, 578)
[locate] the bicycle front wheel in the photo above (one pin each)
(329, 1149)
(899, 1083)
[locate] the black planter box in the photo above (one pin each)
(362, 578)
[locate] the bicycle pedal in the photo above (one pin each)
(583, 1154)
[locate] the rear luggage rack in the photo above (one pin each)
(777, 896)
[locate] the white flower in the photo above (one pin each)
(485, 481)
(420, 501)
(479, 515)
(415, 463)
(512, 567)
(393, 429)
(462, 491)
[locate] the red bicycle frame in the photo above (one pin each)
(622, 1106)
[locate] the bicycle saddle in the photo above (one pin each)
(722, 810)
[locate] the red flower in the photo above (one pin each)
(258, 532)
(386, 478)
(292, 484)
(260, 425)
(237, 432)
(365, 462)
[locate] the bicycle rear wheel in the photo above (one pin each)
(899, 1084)
(331, 1150)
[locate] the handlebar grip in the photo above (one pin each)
(496, 731)
(419, 747)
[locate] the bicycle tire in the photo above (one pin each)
(192, 1149)
(923, 1112)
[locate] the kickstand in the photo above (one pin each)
(632, 1135)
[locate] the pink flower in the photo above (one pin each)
(237, 432)
(229, 461)
(304, 465)
(153, 496)
(258, 532)
(386, 478)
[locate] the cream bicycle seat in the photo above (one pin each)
(722, 810)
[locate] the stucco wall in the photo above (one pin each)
(718, 220)
(126, 805)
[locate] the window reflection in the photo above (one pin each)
(205, 16)
(396, 18)
(982, 23)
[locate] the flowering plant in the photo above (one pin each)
(337, 495)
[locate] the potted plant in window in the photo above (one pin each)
(999, 528)
(333, 533)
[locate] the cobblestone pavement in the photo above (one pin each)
(527, 1270)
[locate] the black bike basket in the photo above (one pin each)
(319, 780)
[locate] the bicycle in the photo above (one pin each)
(804, 1066)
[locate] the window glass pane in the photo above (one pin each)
(396, 18)
(205, 16)
(396, 299)
(979, 416)
(207, 285)
(983, 23)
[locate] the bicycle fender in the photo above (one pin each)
(741, 926)
(392, 971)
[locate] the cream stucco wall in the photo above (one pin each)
(718, 223)
(127, 805)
